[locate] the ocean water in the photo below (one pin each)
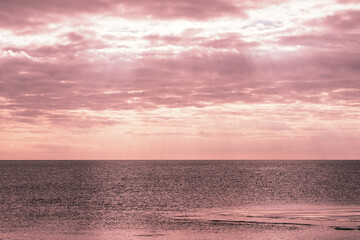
(111, 200)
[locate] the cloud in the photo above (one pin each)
(325, 41)
(345, 20)
(193, 78)
(261, 72)
(221, 41)
(24, 16)
(100, 70)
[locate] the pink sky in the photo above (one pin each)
(189, 79)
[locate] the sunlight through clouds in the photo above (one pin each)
(182, 75)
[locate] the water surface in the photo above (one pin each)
(179, 200)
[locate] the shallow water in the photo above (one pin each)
(179, 200)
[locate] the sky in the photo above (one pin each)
(187, 79)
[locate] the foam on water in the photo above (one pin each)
(329, 216)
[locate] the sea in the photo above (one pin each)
(204, 200)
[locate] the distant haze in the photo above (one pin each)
(189, 79)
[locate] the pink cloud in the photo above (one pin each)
(340, 20)
(176, 70)
(223, 41)
(22, 14)
(158, 84)
(25, 16)
(325, 40)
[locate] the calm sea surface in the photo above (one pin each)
(179, 200)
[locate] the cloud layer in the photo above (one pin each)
(187, 69)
